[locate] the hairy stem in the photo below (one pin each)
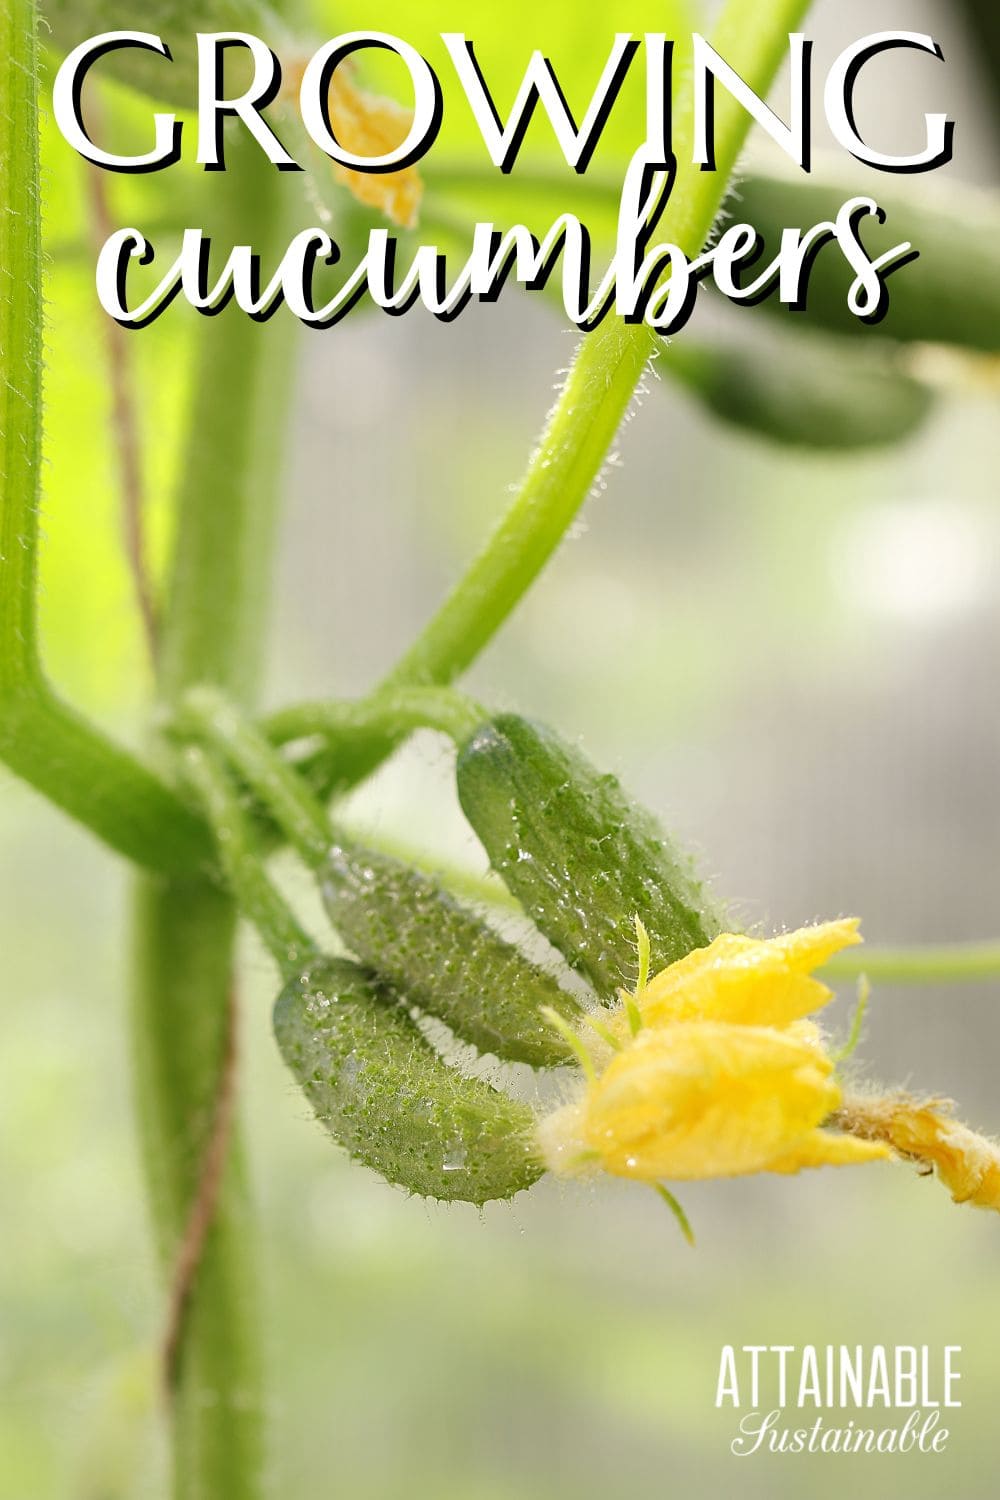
(601, 381)
(241, 860)
(351, 739)
(609, 363)
(279, 790)
(183, 934)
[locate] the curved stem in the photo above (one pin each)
(562, 471)
(753, 36)
(394, 712)
(75, 766)
(602, 379)
(353, 739)
(298, 815)
(71, 762)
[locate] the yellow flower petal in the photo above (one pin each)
(713, 1070)
(702, 1099)
(827, 1148)
(748, 981)
(809, 948)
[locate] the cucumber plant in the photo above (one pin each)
(198, 812)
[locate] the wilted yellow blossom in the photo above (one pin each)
(711, 1070)
(924, 1131)
(369, 125)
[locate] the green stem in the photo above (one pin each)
(394, 713)
(239, 855)
(282, 795)
(561, 473)
(281, 792)
(212, 631)
(42, 740)
(78, 769)
(753, 36)
(937, 964)
(353, 739)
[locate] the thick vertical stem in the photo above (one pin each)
(182, 1015)
(183, 929)
(20, 346)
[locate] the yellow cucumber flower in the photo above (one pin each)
(710, 1069)
(705, 1099)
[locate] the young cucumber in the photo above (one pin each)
(583, 860)
(384, 1093)
(446, 960)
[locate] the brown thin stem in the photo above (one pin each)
(204, 1205)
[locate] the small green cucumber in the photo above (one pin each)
(445, 959)
(383, 1092)
(583, 860)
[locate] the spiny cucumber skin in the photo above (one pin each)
(386, 1096)
(582, 859)
(445, 959)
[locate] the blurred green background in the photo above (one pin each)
(791, 658)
